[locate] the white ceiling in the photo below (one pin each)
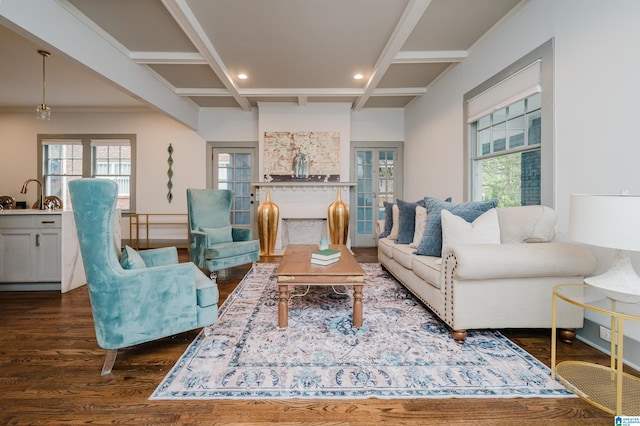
(292, 50)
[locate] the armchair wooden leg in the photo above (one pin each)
(109, 360)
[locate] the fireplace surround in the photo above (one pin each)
(303, 209)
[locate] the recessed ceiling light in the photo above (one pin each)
(242, 76)
(358, 76)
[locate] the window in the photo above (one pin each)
(509, 138)
(506, 161)
(63, 158)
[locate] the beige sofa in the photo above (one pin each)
(505, 285)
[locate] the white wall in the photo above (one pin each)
(378, 125)
(597, 138)
(228, 125)
(18, 133)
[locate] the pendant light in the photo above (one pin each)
(43, 112)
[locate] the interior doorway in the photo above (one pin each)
(234, 166)
(377, 171)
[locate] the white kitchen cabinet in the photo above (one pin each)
(30, 251)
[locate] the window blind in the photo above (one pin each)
(517, 86)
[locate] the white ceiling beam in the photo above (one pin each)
(181, 58)
(430, 57)
(301, 93)
(409, 19)
(192, 28)
(51, 25)
(284, 92)
(403, 91)
(201, 92)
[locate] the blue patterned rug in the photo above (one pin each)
(402, 350)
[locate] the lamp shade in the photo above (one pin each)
(611, 221)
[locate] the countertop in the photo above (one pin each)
(17, 212)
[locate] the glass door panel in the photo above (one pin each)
(375, 179)
(234, 169)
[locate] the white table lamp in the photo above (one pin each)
(611, 221)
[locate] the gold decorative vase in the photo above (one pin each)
(268, 217)
(338, 218)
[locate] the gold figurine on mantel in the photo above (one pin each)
(338, 218)
(268, 217)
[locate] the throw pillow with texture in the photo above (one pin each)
(131, 259)
(388, 219)
(484, 230)
(218, 235)
(421, 222)
(395, 213)
(431, 244)
(407, 221)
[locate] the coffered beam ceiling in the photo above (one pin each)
(183, 56)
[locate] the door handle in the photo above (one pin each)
(37, 240)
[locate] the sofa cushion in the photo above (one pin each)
(421, 222)
(431, 244)
(218, 235)
(388, 219)
(403, 254)
(407, 221)
(235, 248)
(484, 230)
(427, 268)
(131, 259)
(527, 224)
(395, 214)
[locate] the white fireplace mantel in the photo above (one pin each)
(303, 186)
(304, 205)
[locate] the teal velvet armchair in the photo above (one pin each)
(214, 244)
(136, 297)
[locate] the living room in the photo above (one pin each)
(594, 147)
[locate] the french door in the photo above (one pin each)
(235, 169)
(378, 177)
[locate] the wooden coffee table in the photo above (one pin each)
(296, 269)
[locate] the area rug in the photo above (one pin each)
(402, 350)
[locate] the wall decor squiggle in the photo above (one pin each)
(170, 173)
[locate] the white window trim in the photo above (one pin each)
(544, 56)
(88, 141)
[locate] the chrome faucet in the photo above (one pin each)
(24, 191)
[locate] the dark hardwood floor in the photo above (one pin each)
(50, 374)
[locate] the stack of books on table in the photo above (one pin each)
(325, 257)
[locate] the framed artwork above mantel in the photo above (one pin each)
(302, 156)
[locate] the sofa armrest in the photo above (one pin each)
(241, 234)
(159, 256)
(491, 261)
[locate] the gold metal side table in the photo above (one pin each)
(608, 388)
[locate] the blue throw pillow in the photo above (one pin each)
(388, 219)
(431, 244)
(407, 221)
(130, 259)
